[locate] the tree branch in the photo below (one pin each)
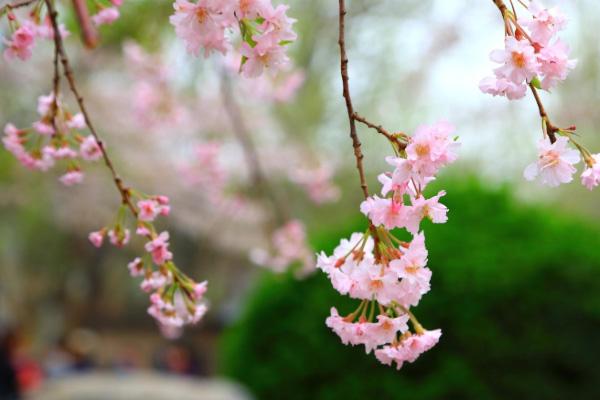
(390, 136)
(348, 99)
(16, 4)
(59, 48)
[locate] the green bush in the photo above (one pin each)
(515, 290)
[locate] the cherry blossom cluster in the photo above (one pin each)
(55, 138)
(106, 13)
(155, 104)
(25, 31)
(389, 275)
(176, 300)
(317, 183)
(535, 58)
(264, 29)
(532, 54)
(289, 250)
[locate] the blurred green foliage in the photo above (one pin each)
(516, 290)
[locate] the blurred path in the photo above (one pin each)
(138, 386)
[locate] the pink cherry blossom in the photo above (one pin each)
(72, 177)
(21, 43)
(159, 249)
(142, 230)
(590, 177)
(76, 121)
(317, 183)
(250, 9)
(409, 349)
(202, 25)
(176, 312)
(543, 23)
(369, 334)
(290, 249)
(501, 86)
(412, 265)
(148, 210)
(118, 236)
(348, 256)
(432, 144)
(136, 267)
(46, 31)
(44, 128)
(425, 208)
(411, 268)
(554, 164)
(44, 104)
(60, 153)
(200, 289)
(276, 23)
(387, 212)
(555, 64)
(90, 149)
(97, 238)
(163, 205)
(266, 54)
(519, 60)
(375, 281)
(155, 280)
(106, 16)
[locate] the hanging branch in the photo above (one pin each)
(68, 73)
(398, 140)
(549, 129)
(16, 4)
(348, 99)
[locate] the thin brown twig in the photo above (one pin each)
(242, 134)
(550, 129)
(16, 4)
(348, 99)
(59, 46)
(55, 91)
(391, 137)
(352, 117)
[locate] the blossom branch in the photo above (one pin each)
(533, 57)
(549, 129)
(68, 72)
(176, 299)
(393, 138)
(16, 4)
(55, 90)
(356, 144)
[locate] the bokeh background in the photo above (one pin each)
(516, 283)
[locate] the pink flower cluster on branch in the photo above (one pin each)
(386, 273)
(25, 31)
(55, 138)
(176, 299)
(389, 275)
(107, 12)
(534, 57)
(289, 250)
(265, 31)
